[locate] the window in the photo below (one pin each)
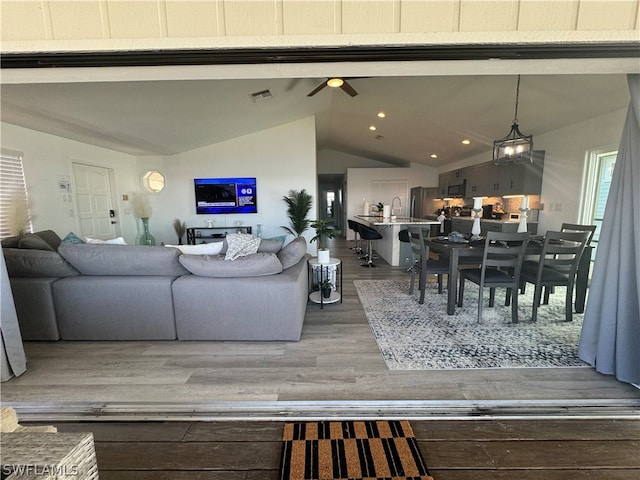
(14, 205)
(596, 189)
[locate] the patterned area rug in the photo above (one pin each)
(363, 450)
(423, 337)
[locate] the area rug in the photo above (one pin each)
(423, 337)
(363, 450)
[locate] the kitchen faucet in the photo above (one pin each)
(399, 204)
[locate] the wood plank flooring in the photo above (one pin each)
(335, 369)
(461, 450)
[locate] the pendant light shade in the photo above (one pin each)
(515, 147)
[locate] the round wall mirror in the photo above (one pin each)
(153, 181)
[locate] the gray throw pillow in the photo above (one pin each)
(253, 265)
(31, 241)
(293, 252)
(51, 237)
(270, 245)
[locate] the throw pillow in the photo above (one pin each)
(11, 242)
(113, 241)
(32, 241)
(293, 252)
(213, 248)
(253, 265)
(72, 238)
(268, 245)
(51, 237)
(240, 245)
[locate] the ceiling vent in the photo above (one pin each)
(260, 96)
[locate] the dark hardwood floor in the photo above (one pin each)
(502, 449)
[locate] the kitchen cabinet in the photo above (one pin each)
(488, 180)
(453, 177)
(478, 179)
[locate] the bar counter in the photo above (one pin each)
(390, 248)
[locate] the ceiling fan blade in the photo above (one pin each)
(348, 88)
(317, 89)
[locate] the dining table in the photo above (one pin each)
(471, 252)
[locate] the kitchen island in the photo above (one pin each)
(390, 248)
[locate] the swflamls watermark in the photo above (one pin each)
(40, 470)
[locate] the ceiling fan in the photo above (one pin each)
(335, 82)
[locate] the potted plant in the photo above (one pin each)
(326, 287)
(380, 207)
(298, 207)
(324, 231)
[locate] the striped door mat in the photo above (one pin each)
(362, 450)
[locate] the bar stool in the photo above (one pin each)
(404, 236)
(353, 225)
(369, 234)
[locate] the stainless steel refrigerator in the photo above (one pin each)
(421, 202)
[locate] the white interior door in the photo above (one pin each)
(94, 202)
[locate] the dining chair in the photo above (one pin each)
(557, 266)
(422, 264)
(501, 264)
(569, 227)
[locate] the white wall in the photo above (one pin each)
(333, 161)
(359, 185)
(281, 158)
(47, 158)
(565, 163)
(566, 153)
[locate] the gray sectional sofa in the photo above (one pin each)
(118, 292)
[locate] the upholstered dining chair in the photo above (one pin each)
(556, 267)
(501, 264)
(422, 264)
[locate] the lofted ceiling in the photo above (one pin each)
(425, 115)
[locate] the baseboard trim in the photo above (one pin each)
(309, 411)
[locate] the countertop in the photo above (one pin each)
(380, 221)
(492, 220)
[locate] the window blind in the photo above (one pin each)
(13, 194)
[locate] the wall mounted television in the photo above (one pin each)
(225, 195)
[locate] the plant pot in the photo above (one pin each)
(326, 292)
(324, 256)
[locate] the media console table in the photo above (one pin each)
(213, 234)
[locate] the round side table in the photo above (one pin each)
(318, 272)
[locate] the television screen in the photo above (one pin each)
(225, 195)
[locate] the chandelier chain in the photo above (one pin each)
(515, 114)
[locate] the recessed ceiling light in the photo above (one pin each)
(372, 128)
(335, 82)
(433, 155)
(382, 114)
(466, 141)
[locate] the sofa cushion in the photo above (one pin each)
(23, 262)
(240, 245)
(293, 252)
(31, 241)
(254, 265)
(213, 248)
(122, 259)
(268, 245)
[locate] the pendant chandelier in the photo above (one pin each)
(515, 147)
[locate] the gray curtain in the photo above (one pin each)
(12, 358)
(610, 338)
